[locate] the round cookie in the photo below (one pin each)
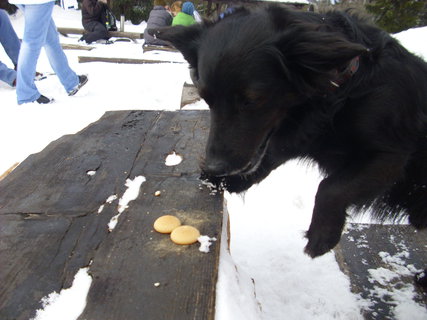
(185, 235)
(166, 224)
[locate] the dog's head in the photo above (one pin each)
(252, 67)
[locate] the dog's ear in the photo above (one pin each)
(185, 39)
(317, 51)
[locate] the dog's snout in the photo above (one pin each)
(216, 167)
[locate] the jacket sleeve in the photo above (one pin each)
(169, 20)
(94, 7)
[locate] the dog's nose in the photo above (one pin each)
(215, 168)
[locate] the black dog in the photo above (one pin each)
(330, 88)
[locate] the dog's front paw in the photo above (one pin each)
(321, 240)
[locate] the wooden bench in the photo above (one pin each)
(189, 94)
(118, 34)
(85, 59)
(367, 251)
(148, 48)
(68, 46)
(51, 227)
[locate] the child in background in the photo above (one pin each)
(185, 17)
(176, 7)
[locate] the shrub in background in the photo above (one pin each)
(395, 16)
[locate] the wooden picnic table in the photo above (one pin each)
(51, 225)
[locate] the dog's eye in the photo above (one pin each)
(244, 102)
(251, 100)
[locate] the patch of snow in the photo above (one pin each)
(398, 293)
(173, 159)
(129, 195)
(69, 303)
(110, 199)
(238, 298)
(205, 243)
(411, 39)
(382, 276)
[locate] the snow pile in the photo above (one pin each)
(267, 243)
(69, 303)
(411, 39)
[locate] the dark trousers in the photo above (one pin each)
(96, 31)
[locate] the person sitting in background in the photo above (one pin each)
(11, 45)
(185, 17)
(176, 7)
(93, 20)
(159, 17)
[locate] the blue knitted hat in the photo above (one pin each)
(188, 8)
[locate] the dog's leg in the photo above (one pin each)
(357, 184)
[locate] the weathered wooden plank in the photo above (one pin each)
(148, 48)
(367, 251)
(119, 34)
(55, 181)
(65, 31)
(70, 46)
(150, 257)
(84, 59)
(50, 225)
(4, 174)
(137, 258)
(189, 94)
(40, 255)
(48, 208)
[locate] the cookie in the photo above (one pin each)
(185, 235)
(166, 224)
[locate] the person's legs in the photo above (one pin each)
(8, 37)
(58, 60)
(6, 74)
(96, 30)
(37, 19)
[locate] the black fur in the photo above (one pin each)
(266, 74)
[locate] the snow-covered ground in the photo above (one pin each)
(266, 276)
